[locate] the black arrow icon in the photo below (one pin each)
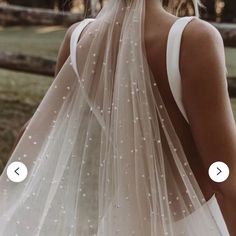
(17, 170)
(219, 170)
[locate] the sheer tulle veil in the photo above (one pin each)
(102, 155)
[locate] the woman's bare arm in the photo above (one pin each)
(207, 103)
(64, 50)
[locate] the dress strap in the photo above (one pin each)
(74, 40)
(73, 46)
(172, 60)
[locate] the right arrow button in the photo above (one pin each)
(218, 171)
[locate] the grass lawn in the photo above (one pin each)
(27, 88)
(21, 93)
(39, 41)
(230, 54)
(233, 102)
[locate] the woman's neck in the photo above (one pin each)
(154, 7)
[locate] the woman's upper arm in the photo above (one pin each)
(64, 50)
(205, 94)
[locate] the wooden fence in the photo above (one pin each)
(18, 15)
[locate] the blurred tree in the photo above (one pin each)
(26, 3)
(210, 12)
(33, 3)
(65, 5)
(229, 11)
(44, 3)
(101, 3)
(87, 8)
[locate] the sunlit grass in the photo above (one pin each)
(23, 87)
(230, 54)
(34, 40)
(233, 102)
(39, 41)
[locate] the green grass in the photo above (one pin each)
(39, 41)
(24, 87)
(233, 102)
(21, 93)
(230, 54)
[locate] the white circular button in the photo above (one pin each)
(218, 171)
(17, 171)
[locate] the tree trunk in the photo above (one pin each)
(101, 3)
(210, 12)
(17, 15)
(26, 63)
(34, 3)
(24, 3)
(232, 87)
(65, 5)
(228, 33)
(229, 11)
(87, 8)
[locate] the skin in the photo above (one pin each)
(211, 134)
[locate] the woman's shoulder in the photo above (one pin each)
(71, 29)
(64, 50)
(199, 34)
(202, 45)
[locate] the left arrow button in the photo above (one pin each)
(17, 171)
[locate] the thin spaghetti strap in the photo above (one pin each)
(172, 60)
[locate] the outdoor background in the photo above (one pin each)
(31, 32)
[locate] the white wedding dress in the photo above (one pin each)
(102, 155)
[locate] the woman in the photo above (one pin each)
(118, 145)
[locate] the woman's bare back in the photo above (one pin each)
(205, 97)
(211, 135)
(156, 45)
(157, 26)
